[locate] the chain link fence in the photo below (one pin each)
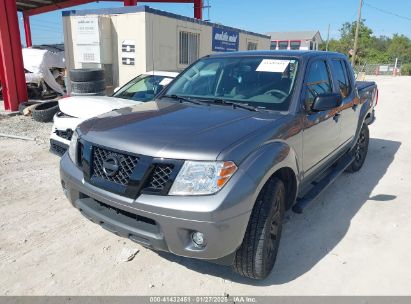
(378, 69)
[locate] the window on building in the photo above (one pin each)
(295, 45)
(341, 77)
(311, 45)
(252, 46)
(282, 45)
(318, 82)
(188, 47)
(273, 45)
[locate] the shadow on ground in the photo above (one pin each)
(309, 237)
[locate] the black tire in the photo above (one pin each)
(81, 75)
(102, 93)
(257, 254)
(88, 86)
(45, 111)
(360, 150)
(24, 105)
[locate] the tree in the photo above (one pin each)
(371, 49)
(400, 47)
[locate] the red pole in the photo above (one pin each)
(13, 78)
(27, 30)
(198, 9)
(130, 2)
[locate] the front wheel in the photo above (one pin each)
(257, 254)
(360, 150)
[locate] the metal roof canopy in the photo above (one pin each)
(12, 77)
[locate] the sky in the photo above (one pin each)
(261, 16)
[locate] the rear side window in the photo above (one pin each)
(341, 75)
(318, 82)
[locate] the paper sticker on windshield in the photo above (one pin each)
(165, 81)
(273, 65)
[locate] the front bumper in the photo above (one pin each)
(164, 223)
(62, 123)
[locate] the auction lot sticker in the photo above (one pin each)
(273, 65)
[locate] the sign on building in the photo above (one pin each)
(224, 40)
(128, 52)
(88, 39)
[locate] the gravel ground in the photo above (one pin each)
(355, 240)
(25, 126)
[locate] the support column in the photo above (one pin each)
(27, 30)
(130, 2)
(11, 58)
(198, 9)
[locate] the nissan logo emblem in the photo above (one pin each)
(110, 165)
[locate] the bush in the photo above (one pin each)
(406, 69)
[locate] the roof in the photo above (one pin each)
(294, 54)
(147, 9)
(24, 5)
(299, 35)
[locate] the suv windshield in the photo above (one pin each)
(143, 87)
(258, 81)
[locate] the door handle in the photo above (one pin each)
(336, 117)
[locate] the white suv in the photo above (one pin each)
(75, 109)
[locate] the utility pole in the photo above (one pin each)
(328, 38)
(357, 29)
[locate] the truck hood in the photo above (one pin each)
(174, 130)
(85, 107)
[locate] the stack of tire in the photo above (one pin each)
(87, 82)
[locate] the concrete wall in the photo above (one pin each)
(129, 27)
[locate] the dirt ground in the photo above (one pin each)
(355, 240)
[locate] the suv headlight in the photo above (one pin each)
(72, 151)
(202, 177)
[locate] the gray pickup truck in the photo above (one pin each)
(208, 169)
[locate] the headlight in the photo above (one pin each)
(73, 147)
(202, 177)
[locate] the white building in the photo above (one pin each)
(304, 40)
(128, 41)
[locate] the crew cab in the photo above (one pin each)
(208, 169)
(75, 109)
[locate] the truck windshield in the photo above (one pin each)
(258, 81)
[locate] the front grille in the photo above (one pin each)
(59, 150)
(126, 164)
(67, 134)
(160, 177)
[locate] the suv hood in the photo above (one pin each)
(173, 130)
(85, 107)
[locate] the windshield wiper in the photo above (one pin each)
(182, 98)
(235, 104)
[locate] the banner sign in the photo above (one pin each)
(225, 40)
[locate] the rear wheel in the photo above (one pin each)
(257, 254)
(360, 150)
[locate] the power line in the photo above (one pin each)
(387, 12)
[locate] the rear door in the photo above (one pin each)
(321, 134)
(349, 110)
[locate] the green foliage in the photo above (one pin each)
(371, 49)
(406, 69)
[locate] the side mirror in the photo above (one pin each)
(325, 102)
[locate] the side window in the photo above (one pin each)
(318, 82)
(341, 75)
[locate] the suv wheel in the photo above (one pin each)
(257, 254)
(360, 150)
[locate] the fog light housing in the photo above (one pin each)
(198, 239)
